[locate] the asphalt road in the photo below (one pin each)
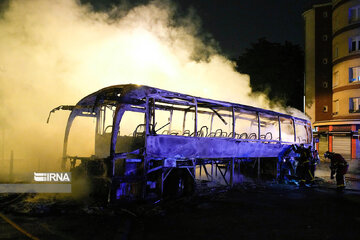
(251, 210)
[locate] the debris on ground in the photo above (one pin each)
(254, 209)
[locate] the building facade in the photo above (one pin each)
(332, 75)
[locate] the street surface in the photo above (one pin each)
(252, 209)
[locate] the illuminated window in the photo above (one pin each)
(354, 14)
(336, 79)
(336, 107)
(325, 108)
(354, 74)
(354, 44)
(354, 105)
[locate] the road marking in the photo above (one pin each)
(18, 227)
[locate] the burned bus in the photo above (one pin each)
(149, 141)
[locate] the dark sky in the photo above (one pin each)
(237, 23)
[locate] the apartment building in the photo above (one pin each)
(332, 75)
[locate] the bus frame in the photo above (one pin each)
(154, 157)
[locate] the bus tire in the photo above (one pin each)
(179, 183)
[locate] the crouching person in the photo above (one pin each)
(338, 166)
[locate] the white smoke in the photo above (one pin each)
(56, 52)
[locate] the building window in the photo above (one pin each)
(354, 44)
(336, 51)
(325, 108)
(354, 105)
(336, 22)
(354, 74)
(354, 14)
(336, 79)
(336, 107)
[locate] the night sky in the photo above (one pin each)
(234, 24)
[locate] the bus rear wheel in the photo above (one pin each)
(179, 183)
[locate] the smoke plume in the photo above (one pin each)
(56, 52)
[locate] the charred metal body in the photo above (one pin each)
(172, 133)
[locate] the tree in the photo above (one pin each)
(277, 69)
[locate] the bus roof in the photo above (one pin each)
(133, 92)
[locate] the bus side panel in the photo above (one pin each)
(169, 146)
